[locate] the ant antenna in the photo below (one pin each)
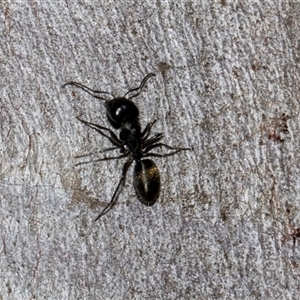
(88, 90)
(139, 89)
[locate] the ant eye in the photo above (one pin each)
(119, 112)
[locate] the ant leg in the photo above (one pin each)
(94, 153)
(112, 138)
(139, 89)
(163, 155)
(147, 130)
(113, 200)
(150, 147)
(102, 159)
(88, 90)
(154, 139)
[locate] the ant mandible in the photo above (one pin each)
(133, 143)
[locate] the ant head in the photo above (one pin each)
(120, 110)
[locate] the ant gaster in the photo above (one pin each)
(133, 143)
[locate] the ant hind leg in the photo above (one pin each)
(113, 200)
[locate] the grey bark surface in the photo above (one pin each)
(227, 85)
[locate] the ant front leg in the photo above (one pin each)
(112, 137)
(113, 200)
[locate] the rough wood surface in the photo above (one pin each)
(227, 85)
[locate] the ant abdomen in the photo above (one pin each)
(146, 181)
(120, 110)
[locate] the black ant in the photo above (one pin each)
(133, 143)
